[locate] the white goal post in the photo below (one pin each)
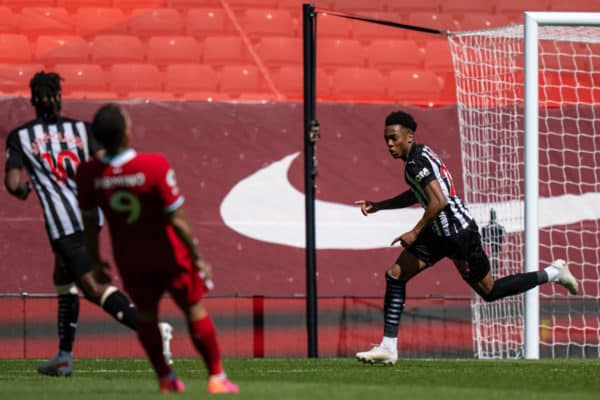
(528, 101)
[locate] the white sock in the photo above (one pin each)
(62, 353)
(389, 343)
(552, 272)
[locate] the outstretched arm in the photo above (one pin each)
(404, 199)
(437, 202)
(14, 186)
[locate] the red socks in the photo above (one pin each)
(149, 336)
(204, 336)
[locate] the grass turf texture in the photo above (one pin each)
(314, 379)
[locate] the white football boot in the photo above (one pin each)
(166, 332)
(378, 355)
(565, 277)
(59, 365)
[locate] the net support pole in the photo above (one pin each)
(309, 44)
(532, 297)
(532, 22)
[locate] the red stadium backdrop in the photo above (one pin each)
(215, 147)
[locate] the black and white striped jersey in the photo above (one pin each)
(422, 167)
(51, 152)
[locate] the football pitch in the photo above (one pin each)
(330, 379)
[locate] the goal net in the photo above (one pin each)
(489, 70)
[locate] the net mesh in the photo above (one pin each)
(489, 70)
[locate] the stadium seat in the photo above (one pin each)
(74, 5)
(34, 21)
(365, 31)
(340, 52)
(82, 78)
(100, 20)
(414, 86)
(220, 50)
(359, 84)
(405, 7)
(296, 5)
(164, 50)
(570, 5)
(459, 7)
(238, 79)
(278, 51)
(258, 23)
(514, 9)
(477, 21)
(329, 26)
(133, 80)
(14, 78)
(104, 49)
(394, 54)
(433, 20)
(244, 4)
(19, 4)
(130, 5)
(289, 81)
(189, 78)
(8, 22)
(159, 21)
(185, 5)
(15, 48)
(54, 49)
(200, 22)
(438, 56)
(356, 6)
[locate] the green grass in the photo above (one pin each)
(329, 379)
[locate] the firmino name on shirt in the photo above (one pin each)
(109, 182)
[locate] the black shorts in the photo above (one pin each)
(75, 259)
(465, 246)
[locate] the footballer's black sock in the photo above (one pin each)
(68, 313)
(515, 284)
(119, 306)
(393, 305)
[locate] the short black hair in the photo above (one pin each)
(108, 126)
(401, 118)
(46, 93)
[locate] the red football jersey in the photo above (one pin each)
(135, 191)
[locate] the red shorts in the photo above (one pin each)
(146, 285)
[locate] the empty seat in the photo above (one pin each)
(15, 48)
(514, 9)
(579, 5)
(18, 4)
(244, 4)
(158, 21)
(184, 5)
(394, 54)
(467, 6)
(405, 7)
(433, 20)
(414, 86)
(53, 49)
(356, 6)
(14, 78)
(278, 51)
(126, 79)
(259, 23)
(220, 50)
(82, 77)
(8, 22)
(290, 82)
(110, 49)
(359, 84)
(34, 21)
(188, 78)
(73, 5)
(100, 20)
(129, 5)
(333, 27)
(173, 49)
(438, 56)
(477, 21)
(238, 79)
(340, 52)
(201, 22)
(366, 31)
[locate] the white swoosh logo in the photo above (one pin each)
(266, 207)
